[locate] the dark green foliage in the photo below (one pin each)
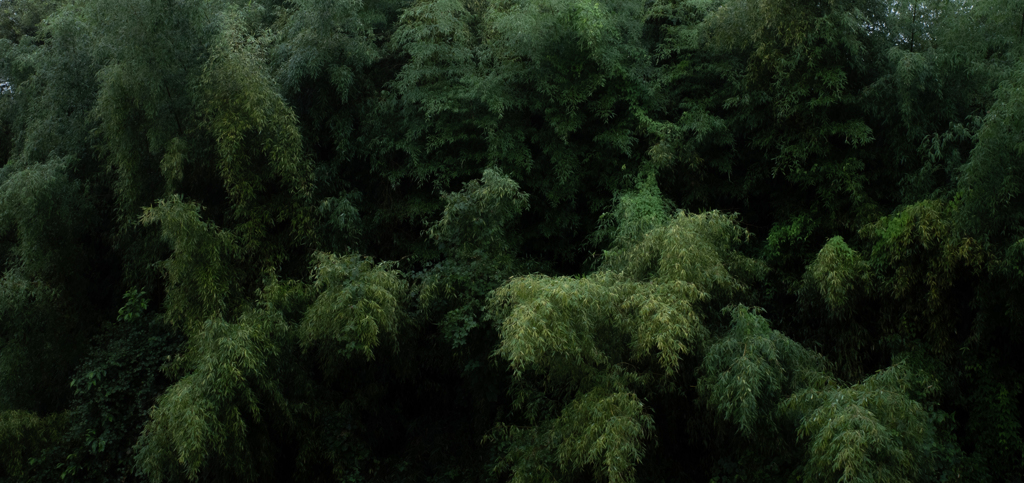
(527, 240)
(834, 289)
(995, 421)
(24, 436)
(42, 211)
(115, 387)
(991, 183)
(550, 92)
(202, 274)
(475, 219)
(473, 234)
(806, 64)
(51, 222)
(920, 264)
(23, 17)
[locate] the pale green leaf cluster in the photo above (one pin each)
(202, 270)
(868, 432)
(229, 367)
(635, 213)
(257, 141)
(602, 339)
(698, 249)
(750, 368)
(189, 104)
(602, 430)
(835, 289)
(208, 412)
(838, 277)
(358, 302)
(249, 120)
(556, 324)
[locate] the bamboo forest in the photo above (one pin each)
(618, 241)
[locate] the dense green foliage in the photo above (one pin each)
(511, 240)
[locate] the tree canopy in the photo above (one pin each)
(511, 240)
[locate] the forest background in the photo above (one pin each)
(511, 240)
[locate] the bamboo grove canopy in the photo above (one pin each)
(511, 240)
